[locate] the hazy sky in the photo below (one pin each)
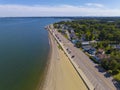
(59, 8)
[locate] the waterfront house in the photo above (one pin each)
(115, 46)
(100, 54)
(92, 51)
(100, 51)
(82, 37)
(72, 34)
(86, 48)
(99, 57)
(85, 43)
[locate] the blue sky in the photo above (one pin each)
(59, 8)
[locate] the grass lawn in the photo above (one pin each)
(117, 77)
(65, 35)
(60, 47)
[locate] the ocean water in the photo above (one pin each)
(24, 49)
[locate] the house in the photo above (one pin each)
(93, 41)
(74, 41)
(100, 51)
(110, 21)
(82, 37)
(100, 54)
(65, 27)
(73, 36)
(115, 46)
(118, 47)
(86, 48)
(85, 43)
(92, 51)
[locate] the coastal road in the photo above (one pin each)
(100, 79)
(61, 74)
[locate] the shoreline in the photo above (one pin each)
(77, 69)
(59, 66)
(44, 75)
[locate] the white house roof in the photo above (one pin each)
(85, 43)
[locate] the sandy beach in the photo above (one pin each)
(61, 75)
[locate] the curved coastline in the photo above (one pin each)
(60, 72)
(43, 76)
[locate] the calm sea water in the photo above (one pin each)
(24, 49)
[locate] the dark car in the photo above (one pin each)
(67, 49)
(69, 52)
(73, 56)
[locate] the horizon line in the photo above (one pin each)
(51, 16)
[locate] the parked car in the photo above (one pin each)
(67, 49)
(73, 56)
(69, 52)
